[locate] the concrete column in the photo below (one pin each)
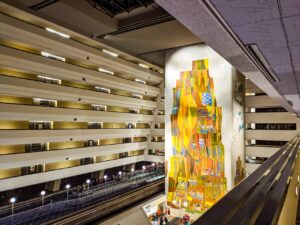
(53, 185)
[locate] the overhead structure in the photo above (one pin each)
(261, 40)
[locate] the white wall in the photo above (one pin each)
(238, 126)
(179, 60)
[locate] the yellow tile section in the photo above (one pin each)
(16, 100)
(142, 125)
(107, 158)
(70, 125)
(111, 141)
(146, 112)
(137, 152)
(66, 145)
(149, 98)
(73, 105)
(17, 73)
(120, 92)
(10, 173)
(61, 165)
(20, 46)
(11, 149)
(16, 125)
(139, 139)
(117, 109)
(109, 125)
(77, 85)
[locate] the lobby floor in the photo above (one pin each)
(133, 216)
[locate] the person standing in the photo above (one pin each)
(166, 220)
(161, 221)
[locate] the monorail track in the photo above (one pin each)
(101, 210)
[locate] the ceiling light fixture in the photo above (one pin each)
(137, 96)
(49, 78)
(48, 55)
(40, 121)
(107, 90)
(144, 66)
(57, 32)
(99, 106)
(140, 81)
(110, 53)
(42, 99)
(106, 71)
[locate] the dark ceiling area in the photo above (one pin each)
(115, 7)
(139, 27)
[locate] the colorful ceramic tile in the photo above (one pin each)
(196, 175)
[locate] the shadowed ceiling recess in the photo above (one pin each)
(115, 7)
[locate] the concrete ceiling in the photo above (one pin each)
(147, 41)
(77, 15)
(264, 34)
(274, 26)
(144, 31)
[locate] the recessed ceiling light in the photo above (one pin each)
(106, 71)
(107, 90)
(143, 65)
(110, 53)
(42, 99)
(57, 32)
(137, 96)
(48, 55)
(140, 81)
(49, 78)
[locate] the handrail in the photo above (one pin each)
(258, 199)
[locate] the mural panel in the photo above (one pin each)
(196, 175)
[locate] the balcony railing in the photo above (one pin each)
(259, 199)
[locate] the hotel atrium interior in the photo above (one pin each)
(149, 112)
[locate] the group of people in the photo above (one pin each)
(163, 219)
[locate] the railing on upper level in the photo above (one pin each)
(260, 198)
